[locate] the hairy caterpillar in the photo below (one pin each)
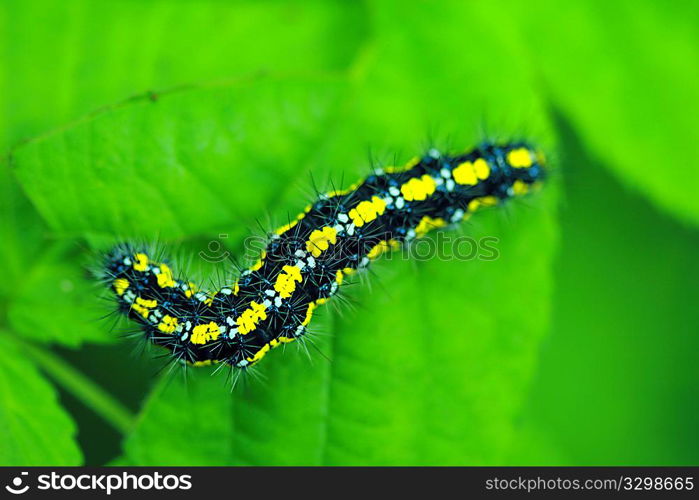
(306, 260)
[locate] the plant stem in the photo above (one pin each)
(83, 388)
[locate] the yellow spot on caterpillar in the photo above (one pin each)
(149, 303)
(465, 174)
(411, 163)
(143, 306)
(168, 324)
(309, 313)
(210, 299)
(337, 192)
(259, 354)
(418, 188)
(120, 285)
(259, 262)
(482, 169)
(520, 187)
(191, 289)
(341, 192)
(165, 277)
(247, 321)
(265, 348)
(519, 158)
(201, 334)
(377, 250)
(381, 247)
(286, 281)
(485, 201)
(236, 288)
(320, 240)
(427, 223)
(280, 341)
(286, 227)
(205, 362)
(367, 211)
(348, 271)
(143, 311)
(339, 277)
(140, 262)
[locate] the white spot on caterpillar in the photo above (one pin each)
(400, 202)
(343, 218)
(458, 215)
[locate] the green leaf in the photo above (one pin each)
(55, 302)
(617, 381)
(103, 52)
(625, 74)
(34, 429)
(204, 158)
(21, 234)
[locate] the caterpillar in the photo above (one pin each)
(306, 261)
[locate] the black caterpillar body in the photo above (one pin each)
(306, 261)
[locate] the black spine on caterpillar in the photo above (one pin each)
(307, 260)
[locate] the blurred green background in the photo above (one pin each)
(182, 120)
